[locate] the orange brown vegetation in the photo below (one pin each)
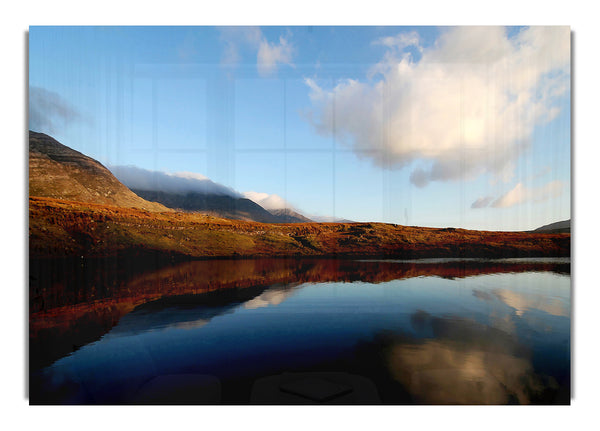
(67, 228)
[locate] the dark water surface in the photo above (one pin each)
(303, 331)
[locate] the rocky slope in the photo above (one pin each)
(57, 171)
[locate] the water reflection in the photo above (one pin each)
(452, 332)
(522, 302)
(464, 362)
(272, 296)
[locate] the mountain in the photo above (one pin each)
(286, 215)
(558, 227)
(223, 206)
(57, 171)
(193, 192)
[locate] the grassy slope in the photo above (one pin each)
(67, 228)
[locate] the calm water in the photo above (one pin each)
(443, 332)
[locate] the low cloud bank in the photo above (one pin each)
(179, 182)
(268, 201)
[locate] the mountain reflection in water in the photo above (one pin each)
(427, 332)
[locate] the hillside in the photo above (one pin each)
(64, 228)
(558, 227)
(57, 171)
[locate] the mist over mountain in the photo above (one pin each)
(196, 193)
(218, 205)
(57, 171)
(179, 183)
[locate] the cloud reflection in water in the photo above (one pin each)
(465, 362)
(273, 296)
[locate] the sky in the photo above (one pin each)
(453, 126)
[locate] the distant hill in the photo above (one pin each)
(289, 216)
(558, 227)
(57, 171)
(329, 219)
(224, 206)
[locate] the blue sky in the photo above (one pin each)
(465, 127)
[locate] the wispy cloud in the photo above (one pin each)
(467, 107)
(521, 194)
(400, 41)
(272, 54)
(482, 202)
(49, 112)
(269, 54)
(236, 39)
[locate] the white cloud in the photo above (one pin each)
(236, 38)
(520, 194)
(268, 201)
(269, 55)
(467, 107)
(189, 175)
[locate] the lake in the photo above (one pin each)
(285, 331)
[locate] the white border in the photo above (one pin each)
(583, 21)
